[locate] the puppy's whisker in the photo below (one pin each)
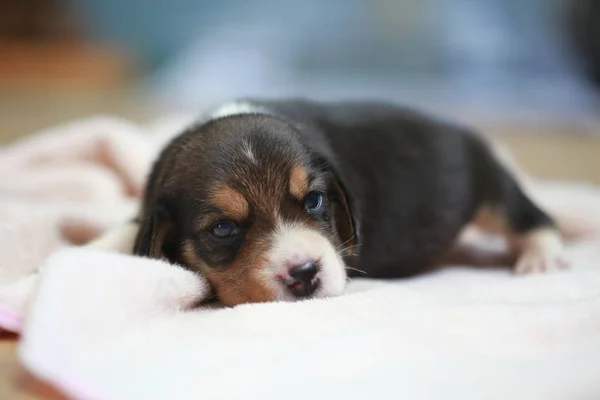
(357, 270)
(347, 255)
(348, 248)
(341, 245)
(339, 252)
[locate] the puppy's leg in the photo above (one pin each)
(505, 209)
(538, 248)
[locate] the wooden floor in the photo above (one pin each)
(549, 152)
(564, 157)
(15, 384)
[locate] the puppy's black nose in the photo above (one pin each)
(305, 279)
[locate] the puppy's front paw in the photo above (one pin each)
(536, 261)
(540, 251)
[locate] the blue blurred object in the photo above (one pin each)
(155, 30)
(502, 55)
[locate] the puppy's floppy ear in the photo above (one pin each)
(156, 237)
(344, 222)
(342, 212)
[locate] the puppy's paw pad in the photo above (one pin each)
(538, 261)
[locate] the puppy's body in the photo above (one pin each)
(412, 182)
(398, 188)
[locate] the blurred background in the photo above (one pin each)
(526, 70)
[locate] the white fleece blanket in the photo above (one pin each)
(103, 325)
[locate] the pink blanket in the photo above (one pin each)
(101, 324)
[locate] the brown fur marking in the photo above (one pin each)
(231, 202)
(490, 220)
(242, 281)
(298, 182)
(190, 259)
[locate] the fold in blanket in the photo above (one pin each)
(102, 325)
(64, 187)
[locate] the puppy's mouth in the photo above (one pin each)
(304, 289)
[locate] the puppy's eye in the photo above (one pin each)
(223, 229)
(313, 202)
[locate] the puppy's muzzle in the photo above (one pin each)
(304, 279)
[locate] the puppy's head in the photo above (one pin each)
(244, 202)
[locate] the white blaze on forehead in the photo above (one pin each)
(238, 108)
(294, 244)
(248, 152)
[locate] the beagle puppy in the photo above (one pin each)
(285, 199)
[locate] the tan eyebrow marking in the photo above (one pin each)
(190, 258)
(298, 182)
(231, 202)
